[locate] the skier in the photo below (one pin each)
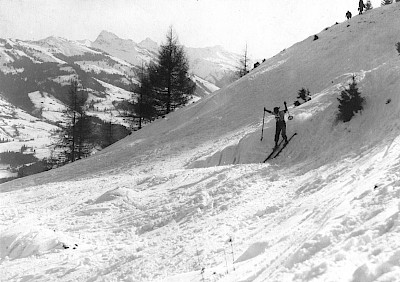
(280, 123)
(348, 15)
(361, 7)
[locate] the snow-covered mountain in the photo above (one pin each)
(213, 64)
(188, 198)
(126, 49)
(35, 78)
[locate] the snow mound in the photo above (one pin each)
(254, 250)
(118, 193)
(21, 241)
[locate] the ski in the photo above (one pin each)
(277, 154)
(278, 149)
(273, 151)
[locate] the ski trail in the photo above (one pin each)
(309, 225)
(294, 244)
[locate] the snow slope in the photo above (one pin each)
(20, 128)
(188, 199)
(51, 108)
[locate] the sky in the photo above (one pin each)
(266, 26)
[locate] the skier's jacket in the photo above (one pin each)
(280, 116)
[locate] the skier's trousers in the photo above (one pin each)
(280, 128)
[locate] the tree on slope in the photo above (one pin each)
(145, 105)
(350, 102)
(243, 65)
(74, 132)
(304, 94)
(368, 5)
(386, 2)
(169, 77)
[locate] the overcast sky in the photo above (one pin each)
(267, 26)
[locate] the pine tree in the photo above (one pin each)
(145, 105)
(304, 94)
(386, 2)
(350, 102)
(243, 65)
(73, 133)
(169, 77)
(368, 6)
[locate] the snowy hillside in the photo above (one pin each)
(18, 128)
(187, 198)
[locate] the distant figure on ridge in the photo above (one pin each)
(348, 15)
(280, 123)
(361, 7)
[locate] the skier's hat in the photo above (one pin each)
(276, 109)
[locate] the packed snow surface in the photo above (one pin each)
(188, 197)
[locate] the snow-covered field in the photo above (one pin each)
(19, 128)
(51, 108)
(187, 198)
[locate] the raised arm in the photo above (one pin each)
(265, 110)
(285, 106)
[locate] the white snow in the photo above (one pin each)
(98, 67)
(65, 79)
(20, 128)
(52, 108)
(187, 198)
(67, 47)
(41, 53)
(206, 85)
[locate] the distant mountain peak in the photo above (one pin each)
(54, 39)
(107, 36)
(110, 39)
(149, 44)
(85, 42)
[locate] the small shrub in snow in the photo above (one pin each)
(350, 102)
(315, 37)
(398, 47)
(368, 5)
(386, 2)
(304, 94)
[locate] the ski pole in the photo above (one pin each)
(233, 254)
(290, 117)
(202, 268)
(262, 128)
(226, 263)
